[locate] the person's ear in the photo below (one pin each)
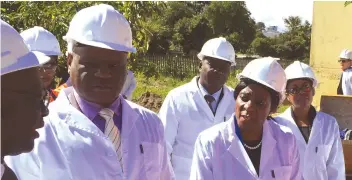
(200, 65)
(69, 61)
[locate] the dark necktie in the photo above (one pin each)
(209, 99)
(8, 174)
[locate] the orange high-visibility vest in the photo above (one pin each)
(55, 92)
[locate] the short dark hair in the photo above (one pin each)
(275, 96)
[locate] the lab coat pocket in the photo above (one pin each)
(282, 173)
(321, 154)
(152, 159)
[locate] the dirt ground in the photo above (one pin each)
(150, 101)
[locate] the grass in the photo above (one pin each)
(158, 85)
(162, 85)
(282, 108)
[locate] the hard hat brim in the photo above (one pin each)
(49, 53)
(201, 57)
(31, 59)
(282, 94)
(104, 45)
(315, 82)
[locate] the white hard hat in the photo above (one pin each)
(218, 48)
(298, 70)
(39, 39)
(346, 54)
(268, 72)
(101, 26)
(15, 55)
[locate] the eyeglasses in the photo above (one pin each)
(343, 60)
(304, 89)
(48, 67)
(219, 67)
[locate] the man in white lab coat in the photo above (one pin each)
(317, 133)
(198, 105)
(91, 131)
(345, 84)
(129, 86)
(22, 106)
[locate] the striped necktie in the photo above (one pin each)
(112, 132)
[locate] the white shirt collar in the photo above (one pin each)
(204, 92)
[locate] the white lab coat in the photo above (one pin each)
(220, 155)
(129, 86)
(71, 147)
(346, 82)
(322, 158)
(185, 114)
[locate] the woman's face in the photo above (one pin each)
(253, 106)
(300, 93)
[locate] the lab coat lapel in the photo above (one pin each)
(199, 99)
(294, 128)
(237, 150)
(316, 133)
(129, 117)
(223, 105)
(268, 146)
(74, 117)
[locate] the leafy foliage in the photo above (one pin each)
(169, 27)
(55, 16)
(292, 44)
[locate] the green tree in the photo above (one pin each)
(293, 23)
(181, 28)
(260, 26)
(264, 46)
(186, 26)
(55, 16)
(295, 43)
(291, 45)
(231, 20)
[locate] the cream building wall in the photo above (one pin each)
(331, 32)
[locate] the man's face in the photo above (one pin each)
(300, 93)
(345, 63)
(97, 74)
(22, 110)
(48, 71)
(214, 71)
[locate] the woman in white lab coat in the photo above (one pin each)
(317, 133)
(251, 145)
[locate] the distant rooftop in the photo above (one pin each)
(271, 31)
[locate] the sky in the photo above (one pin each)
(272, 12)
